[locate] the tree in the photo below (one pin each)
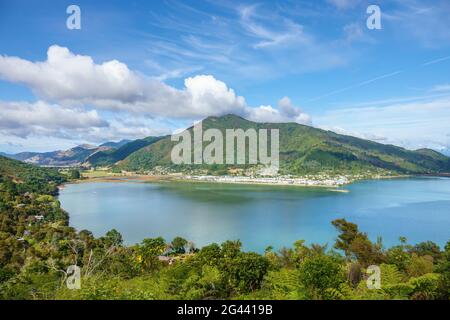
(399, 256)
(209, 255)
(179, 245)
(428, 248)
(113, 238)
(419, 265)
(348, 233)
(149, 250)
(230, 249)
(357, 245)
(444, 269)
(74, 174)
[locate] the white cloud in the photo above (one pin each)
(413, 124)
(66, 76)
(76, 81)
(286, 112)
(23, 119)
(126, 127)
(285, 33)
(31, 122)
(209, 96)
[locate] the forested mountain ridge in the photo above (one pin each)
(308, 150)
(110, 157)
(303, 150)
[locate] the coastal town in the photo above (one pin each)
(232, 177)
(277, 180)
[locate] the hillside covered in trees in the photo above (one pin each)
(111, 156)
(305, 150)
(37, 245)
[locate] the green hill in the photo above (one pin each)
(110, 157)
(306, 150)
(29, 178)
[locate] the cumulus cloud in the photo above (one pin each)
(23, 119)
(26, 120)
(209, 96)
(286, 112)
(66, 76)
(76, 81)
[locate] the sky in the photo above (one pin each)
(142, 68)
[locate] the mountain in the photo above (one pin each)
(71, 157)
(110, 157)
(115, 145)
(307, 150)
(303, 150)
(105, 154)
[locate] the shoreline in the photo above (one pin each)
(272, 181)
(325, 182)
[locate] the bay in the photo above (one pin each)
(259, 216)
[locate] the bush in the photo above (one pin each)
(320, 273)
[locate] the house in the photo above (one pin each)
(166, 259)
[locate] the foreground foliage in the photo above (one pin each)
(37, 245)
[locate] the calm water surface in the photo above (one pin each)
(417, 208)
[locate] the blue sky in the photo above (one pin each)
(174, 62)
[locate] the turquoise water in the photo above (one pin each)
(417, 208)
